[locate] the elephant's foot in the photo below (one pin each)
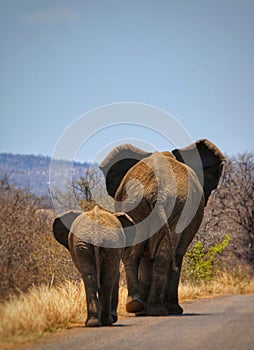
(155, 310)
(134, 304)
(106, 321)
(174, 309)
(141, 313)
(93, 322)
(114, 316)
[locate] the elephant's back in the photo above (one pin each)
(160, 172)
(99, 227)
(159, 178)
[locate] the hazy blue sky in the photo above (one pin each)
(59, 59)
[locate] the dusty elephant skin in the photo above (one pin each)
(91, 237)
(170, 192)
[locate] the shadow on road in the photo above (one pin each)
(81, 325)
(193, 314)
(177, 315)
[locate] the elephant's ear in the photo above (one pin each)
(212, 161)
(128, 226)
(61, 226)
(209, 154)
(118, 162)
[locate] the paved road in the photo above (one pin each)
(224, 323)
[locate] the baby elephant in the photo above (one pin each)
(94, 239)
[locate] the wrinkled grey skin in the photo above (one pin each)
(174, 196)
(98, 264)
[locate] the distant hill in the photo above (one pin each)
(32, 171)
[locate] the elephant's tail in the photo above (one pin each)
(165, 231)
(97, 254)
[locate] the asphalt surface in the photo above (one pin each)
(221, 323)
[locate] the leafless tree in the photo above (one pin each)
(236, 198)
(29, 254)
(230, 209)
(64, 198)
(84, 192)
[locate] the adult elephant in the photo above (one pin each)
(165, 195)
(93, 239)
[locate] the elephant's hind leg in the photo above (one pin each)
(131, 259)
(145, 277)
(109, 284)
(93, 310)
(171, 291)
(84, 261)
(134, 303)
(163, 258)
(114, 301)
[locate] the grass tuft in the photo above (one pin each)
(42, 309)
(238, 281)
(50, 308)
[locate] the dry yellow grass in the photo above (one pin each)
(223, 284)
(46, 309)
(40, 310)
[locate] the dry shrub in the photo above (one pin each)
(29, 253)
(238, 281)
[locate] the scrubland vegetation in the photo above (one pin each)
(41, 291)
(49, 308)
